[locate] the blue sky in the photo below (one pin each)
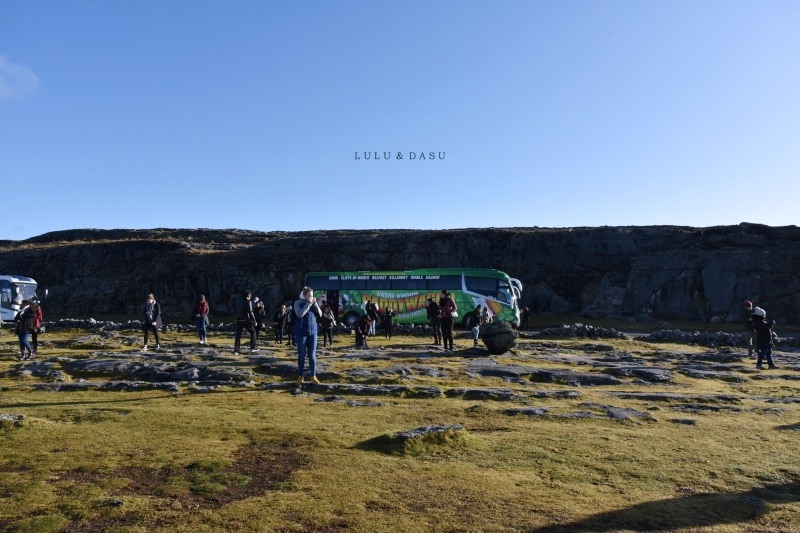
(199, 114)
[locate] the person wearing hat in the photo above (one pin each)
(750, 335)
(763, 330)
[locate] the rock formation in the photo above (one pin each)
(649, 272)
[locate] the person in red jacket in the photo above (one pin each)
(38, 321)
(201, 317)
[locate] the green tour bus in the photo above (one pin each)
(405, 291)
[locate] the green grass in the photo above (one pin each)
(252, 460)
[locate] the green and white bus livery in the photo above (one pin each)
(406, 291)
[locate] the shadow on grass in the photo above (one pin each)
(697, 510)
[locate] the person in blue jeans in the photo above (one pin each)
(24, 323)
(306, 313)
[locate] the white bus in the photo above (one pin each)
(13, 290)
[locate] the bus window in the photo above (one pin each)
(5, 298)
(354, 284)
(322, 283)
(505, 295)
(485, 286)
(379, 284)
(450, 283)
(409, 284)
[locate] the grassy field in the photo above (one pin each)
(258, 459)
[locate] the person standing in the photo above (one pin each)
(434, 320)
(388, 322)
(305, 333)
(525, 316)
(152, 320)
(372, 311)
(326, 322)
(23, 324)
(291, 318)
(260, 314)
(750, 334)
(279, 321)
(201, 319)
(764, 342)
(38, 322)
(448, 311)
(245, 320)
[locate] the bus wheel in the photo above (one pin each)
(467, 320)
(350, 320)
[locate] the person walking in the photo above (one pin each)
(305, 333)
(38, 322)
(245, 320)
(279, 321)
(152, 320)
(764, 341)
(23, 324)
(448, 311)
(326, 322)
(201, 319)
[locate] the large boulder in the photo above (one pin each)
(499, 337)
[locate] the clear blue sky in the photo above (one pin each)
(249, 114)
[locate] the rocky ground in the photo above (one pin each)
(532, 377)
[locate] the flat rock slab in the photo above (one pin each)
(676, 397)
(618, 413)
(489, 368)
(712, 374)
(357, 389)
(500, 395)
(655, 375)
(107, 386)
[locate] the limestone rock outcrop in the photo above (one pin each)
(647, 272)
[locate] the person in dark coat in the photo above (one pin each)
(326, 323)
(448, 310)
(279, 321)
(245, 320)
(434, 320)
(764, 341)
(750, 335)
(388, 322)
(152, 320)
(362, 331)
(261, 315)
(23, 325)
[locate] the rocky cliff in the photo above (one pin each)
(661, 272)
